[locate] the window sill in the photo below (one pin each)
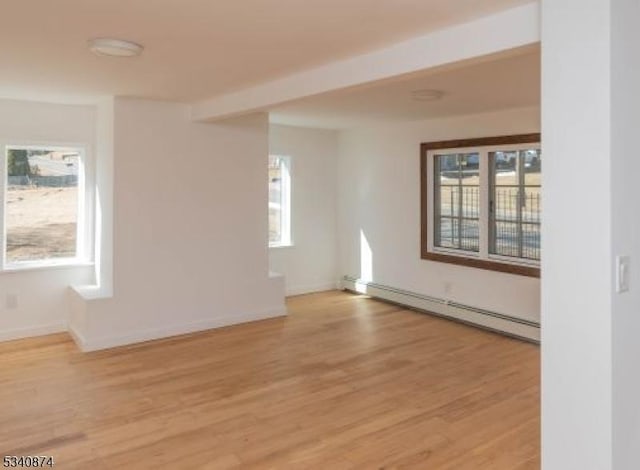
(46, 266)
(284, 245)
(490, 265)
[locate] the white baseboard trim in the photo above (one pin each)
(30, 332)
(505, 324)
(94, 344)
(308, 289)
(77, 338)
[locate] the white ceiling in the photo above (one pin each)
(510, 81)
(197, 49)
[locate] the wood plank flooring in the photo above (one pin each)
(344, 382)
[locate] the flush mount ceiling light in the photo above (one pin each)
(114, 47)
(426, 95)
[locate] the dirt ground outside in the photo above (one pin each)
(41, 223)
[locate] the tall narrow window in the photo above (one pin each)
(279, 201)
(515, 203)
(41, 204)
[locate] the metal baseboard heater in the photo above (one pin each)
(498, 322)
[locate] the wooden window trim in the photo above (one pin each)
(531, 271)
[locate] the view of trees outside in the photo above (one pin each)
(41, 204)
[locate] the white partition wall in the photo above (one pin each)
(589, 343)
(189, 228)
(625, 168)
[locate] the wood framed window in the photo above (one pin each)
(481, 203)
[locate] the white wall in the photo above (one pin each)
(42, 293)
(311, 263)
(190, 228)
(577, 276)
(379, 195)
(625, 122)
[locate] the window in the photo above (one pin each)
(279, 201)
(42, 205)
(457, 204)
(514, 205)
(481, 203)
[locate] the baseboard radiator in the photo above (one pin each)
(498, 322)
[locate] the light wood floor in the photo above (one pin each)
(344, 382)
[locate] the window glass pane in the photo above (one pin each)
(275, 199)
(515, 208)
(42, 204)
(508, 236)
(457, 202)
(505, 203)
(455, 169)
(448, 233)
(471, 202)
(532, 209)
(532, 167)
(449, 169)
(470, 236)
(507, 239)
(531, 241)
(460, 200)
(449, 200)
(470, 169)
(459, 233)
(505, 168)
(279, 200)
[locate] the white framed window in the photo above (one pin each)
(481, 203)
(43, 201)
(279, 201)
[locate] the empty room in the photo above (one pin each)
(277, 234)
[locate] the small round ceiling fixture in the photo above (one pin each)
(114, 47)
(427, 95)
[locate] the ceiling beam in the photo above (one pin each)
(510, 29)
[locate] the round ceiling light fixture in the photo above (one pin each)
(427, 95)
(114, 47)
